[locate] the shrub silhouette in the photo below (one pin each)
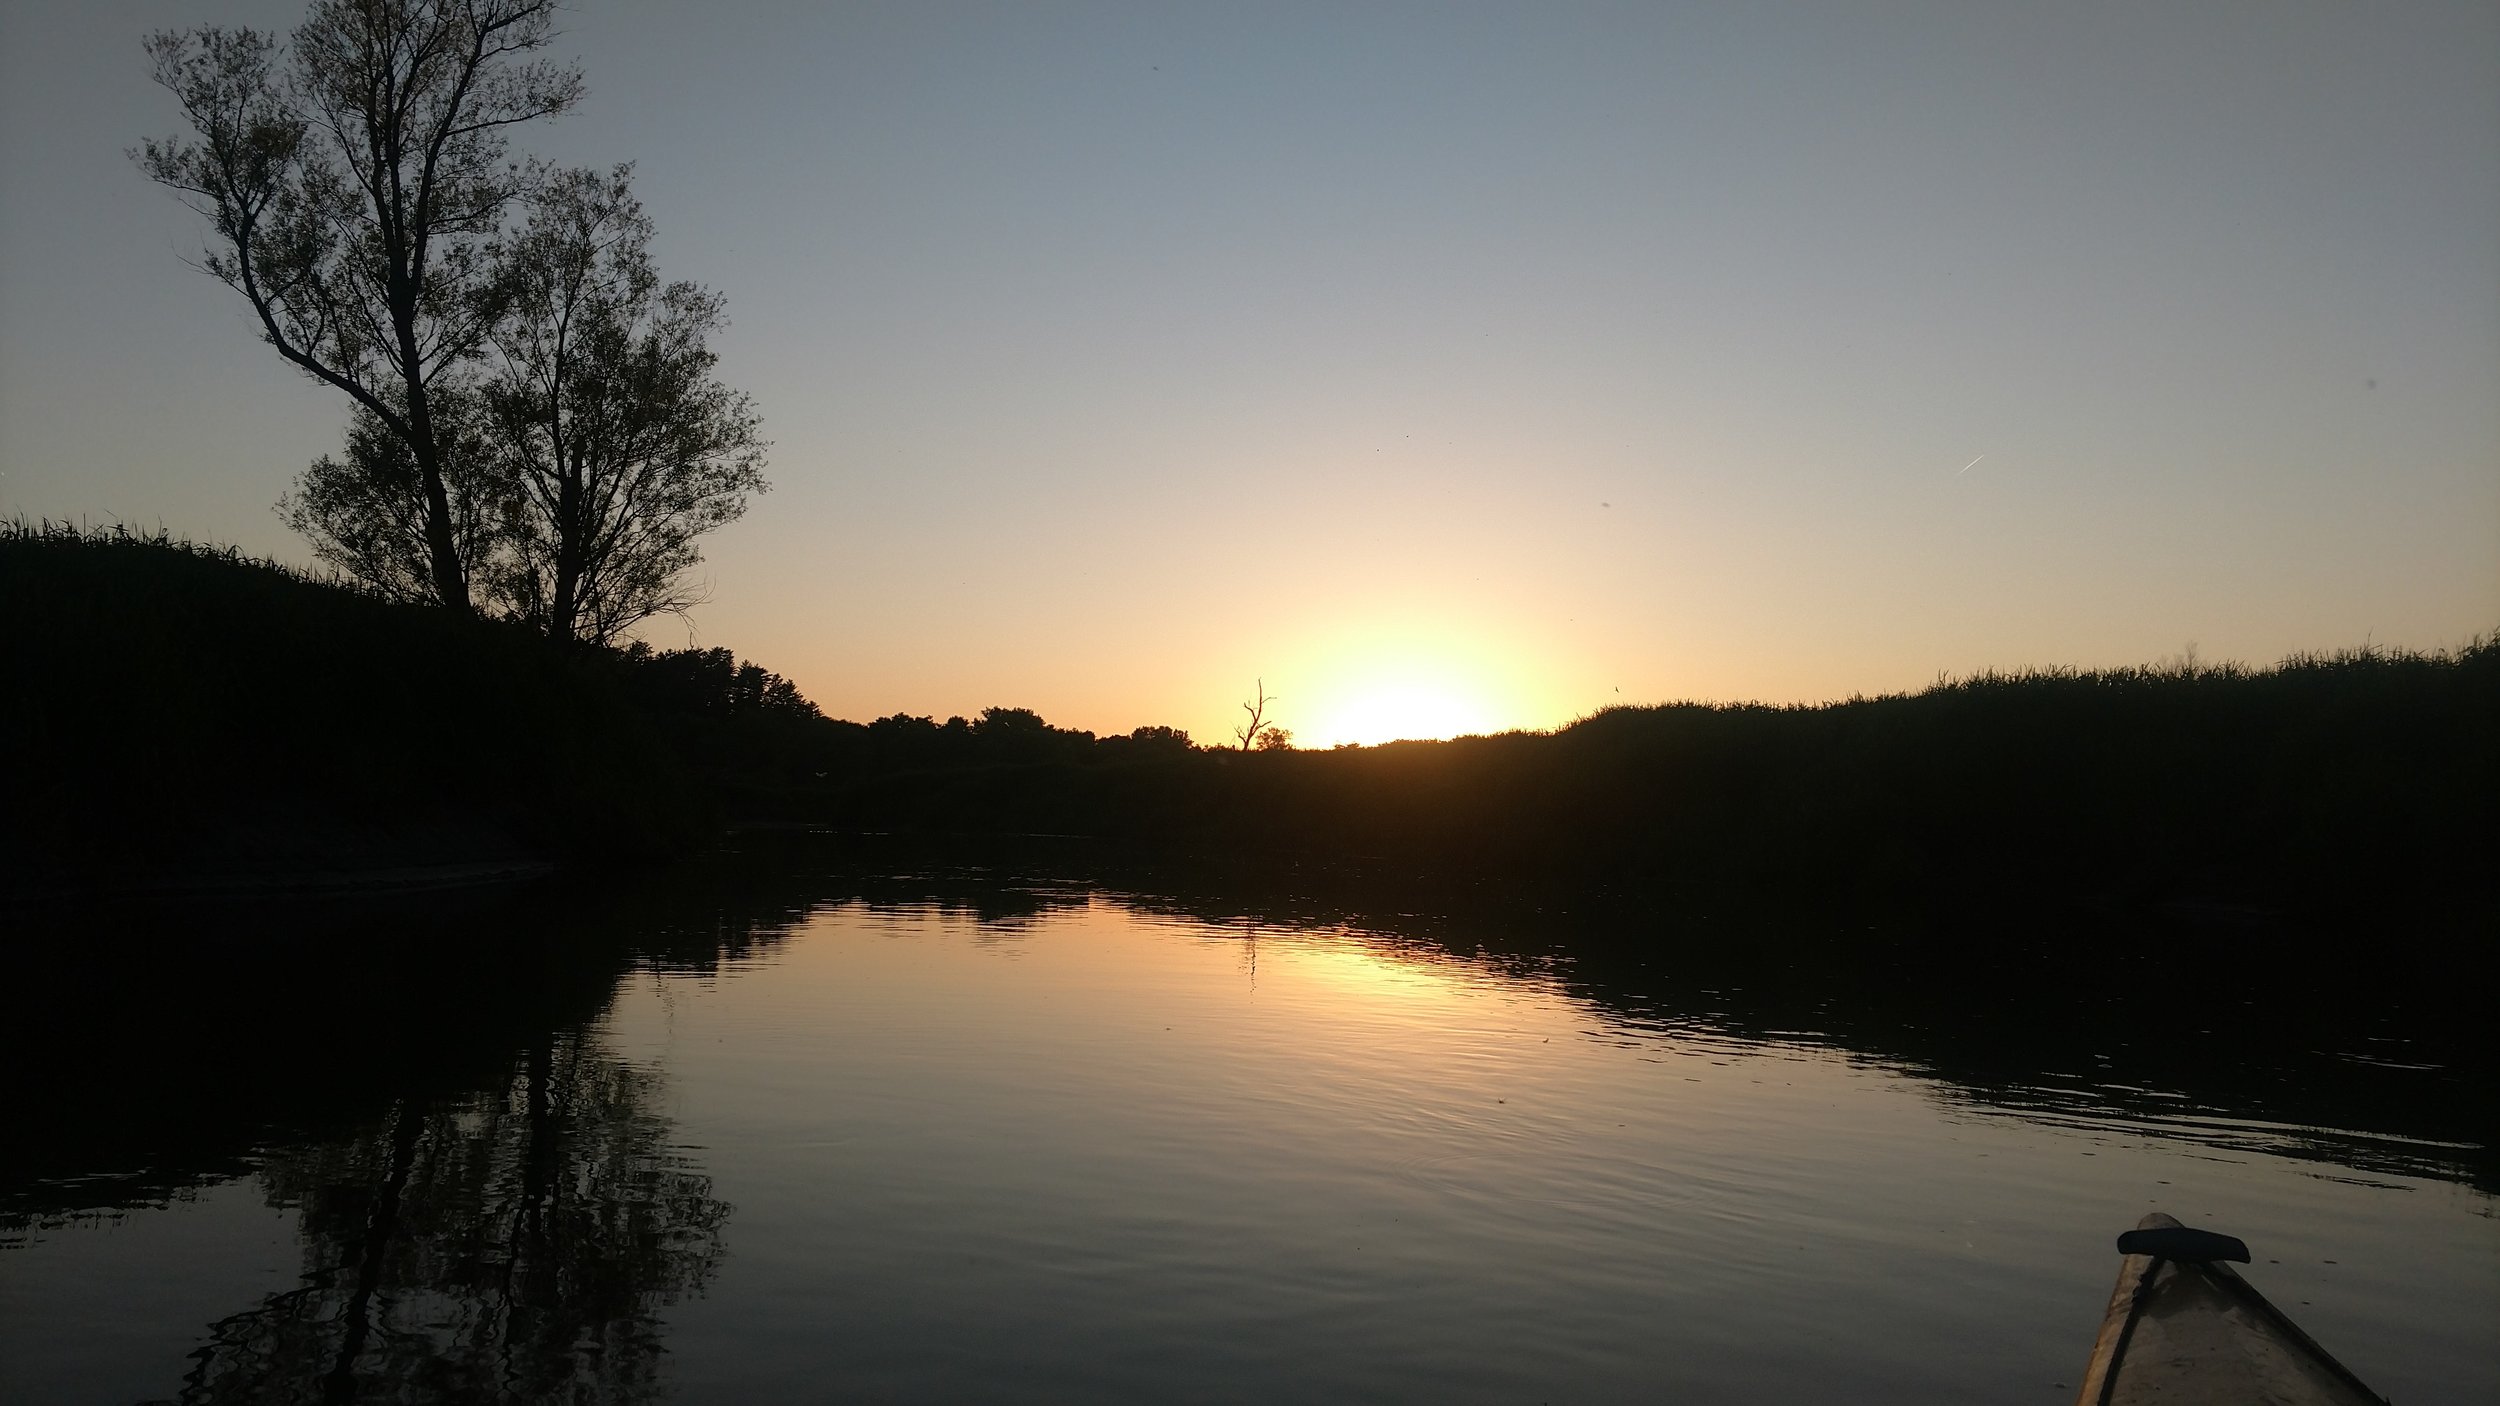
(186, 706)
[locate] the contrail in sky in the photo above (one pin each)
(1957, 473)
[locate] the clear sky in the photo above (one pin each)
(1447, 366)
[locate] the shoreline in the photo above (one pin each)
(244, 883)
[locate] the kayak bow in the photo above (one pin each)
(2184, 1330)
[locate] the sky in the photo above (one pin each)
(1442, 367)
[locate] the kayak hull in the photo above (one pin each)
(2189, 1333)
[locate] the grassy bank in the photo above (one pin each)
(177, 709)
(175, 713)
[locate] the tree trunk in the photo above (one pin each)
(564, 611)
(451, 580)
(451, 577)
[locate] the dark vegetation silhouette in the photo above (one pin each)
(185, 713)
(2360, 779)
(536, 431)
(184, 708)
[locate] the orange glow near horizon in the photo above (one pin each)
(1396, 685)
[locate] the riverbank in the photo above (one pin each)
(183, 718)
(2359, 782)
(188, 716)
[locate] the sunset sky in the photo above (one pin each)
(1449, 367)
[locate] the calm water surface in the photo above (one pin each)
(1063, 1144)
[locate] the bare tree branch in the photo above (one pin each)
(1250, 735)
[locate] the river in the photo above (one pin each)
(956, 1134)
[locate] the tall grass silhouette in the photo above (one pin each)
(175, 703)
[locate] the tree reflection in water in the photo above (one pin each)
(514, 1244)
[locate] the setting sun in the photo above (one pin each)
(1406, 675)
(1400, 712)
(1419, 688)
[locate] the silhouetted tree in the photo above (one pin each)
(354, 180)
(618, 446)
(1248, 734)
(1157, 739)
(1011, 722)
(1274, 739)
(712, 683)
(365, 512)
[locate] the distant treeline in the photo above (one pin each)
(178, 706)
(2364, 779)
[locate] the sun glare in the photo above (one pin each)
(1399, 680)
(1397, 712)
